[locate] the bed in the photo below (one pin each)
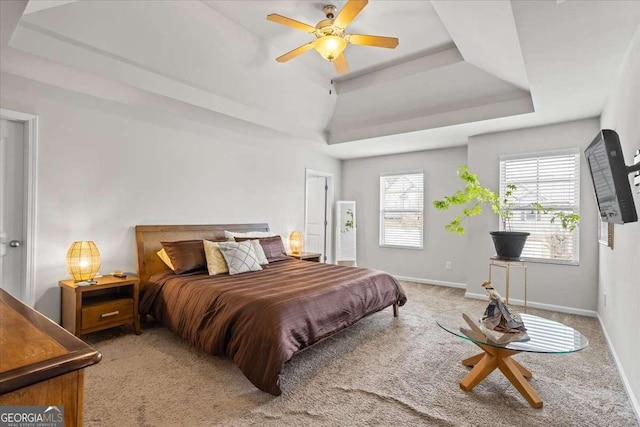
(259, 319)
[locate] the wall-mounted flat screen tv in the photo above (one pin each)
(610, 178)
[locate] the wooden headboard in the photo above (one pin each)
(148, 238)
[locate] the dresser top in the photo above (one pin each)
(34, 348)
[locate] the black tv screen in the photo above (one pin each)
(611, 178)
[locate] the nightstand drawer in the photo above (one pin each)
(107, 312)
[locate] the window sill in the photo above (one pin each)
(401, 247)
(551, 261)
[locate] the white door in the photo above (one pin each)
(12, 207)
(315, 239)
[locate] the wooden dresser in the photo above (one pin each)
(40, 362)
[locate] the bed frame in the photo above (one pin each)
(148, 238)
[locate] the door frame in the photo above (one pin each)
(328, 250)
(30, 122)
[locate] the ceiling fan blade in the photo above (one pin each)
(295, 52)
(274, 17)
(377, 41)
(341, 64)
(349, 12)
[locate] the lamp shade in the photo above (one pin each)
(83, 260)
(295, 242)
(330, 47)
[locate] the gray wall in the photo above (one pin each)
(551, 284)
(361, 182)
(105, 167)
(573, 288)
(619, 274)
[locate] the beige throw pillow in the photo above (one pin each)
(260, 255)
(240, 257)
(215, 261)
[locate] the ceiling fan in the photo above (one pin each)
(331, 39)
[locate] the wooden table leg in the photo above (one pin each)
(524, 371)
(485, 363)
(492, 358)
(484, 367)
(512, 372)
(473, 360)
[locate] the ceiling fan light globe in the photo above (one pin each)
(330, 47)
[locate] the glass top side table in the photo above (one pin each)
(545, 336)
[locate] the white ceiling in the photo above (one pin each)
(461, 68)
(415, 23)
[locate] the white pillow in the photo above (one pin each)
(230, 235)
(240, 257)
(260, 255)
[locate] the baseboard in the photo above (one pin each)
(542, 306)
(625, 381)
(432, 282)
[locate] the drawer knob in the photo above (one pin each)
(112, 313)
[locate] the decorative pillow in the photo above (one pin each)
(230, 235)
(186, 255)
(240, 257)
(165, 258)
(260, 255)
(272, 246)
(215, 261)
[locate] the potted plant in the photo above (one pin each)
(508, 243)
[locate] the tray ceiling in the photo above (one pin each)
(460, 68)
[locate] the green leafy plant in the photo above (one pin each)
(474, 195)
(348, 224)
(569, 221)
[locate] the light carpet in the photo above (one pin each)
(380, 371)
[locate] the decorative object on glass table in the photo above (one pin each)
(499, 323)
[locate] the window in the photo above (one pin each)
(401, 209)
(553, 180)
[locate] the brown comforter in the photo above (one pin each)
(261, 319)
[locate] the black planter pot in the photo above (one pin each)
(509, 244)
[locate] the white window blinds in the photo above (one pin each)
(401, 209)
(552, 180)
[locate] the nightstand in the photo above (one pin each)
(111, 302)
(306, 256)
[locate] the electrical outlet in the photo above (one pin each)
(447, 265)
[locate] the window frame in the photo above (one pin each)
(382, 211)
(575, 152)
